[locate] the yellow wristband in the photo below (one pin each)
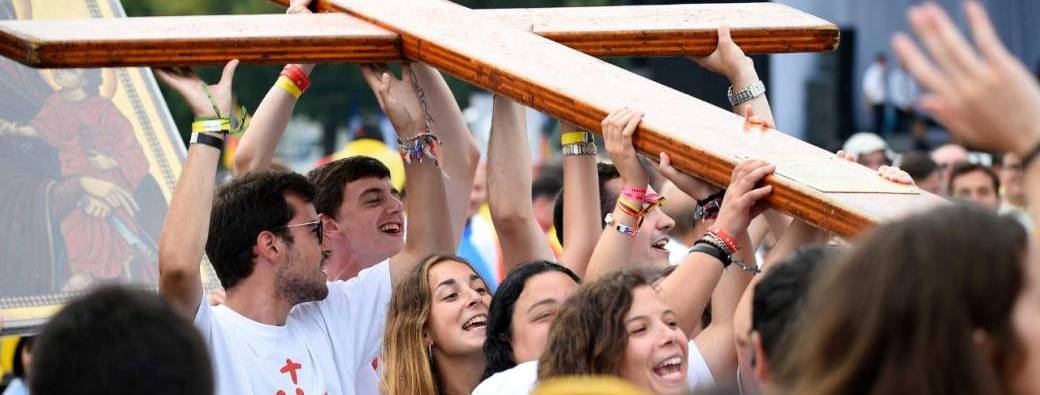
(575, 138)
(289, 86)
(211, 126)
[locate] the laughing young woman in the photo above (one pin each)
(619, 326)
(436, 327)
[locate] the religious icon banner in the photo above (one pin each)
(88, 161)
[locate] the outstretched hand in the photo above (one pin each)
(397, 98)
(618, 128)
(744, 199)
(983, 95)
(190, 86)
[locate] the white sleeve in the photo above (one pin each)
(204, 319)
(356, 311)
(698, 376)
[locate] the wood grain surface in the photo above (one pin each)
(700, 138)
(188, 40)
(672, 30)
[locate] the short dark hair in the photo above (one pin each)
(963, 168)
(498, 348)
(607, 198)
(242, 209)
(25, 343)
(117, 340)
(780, 295)
(918, 164)
(548, 183)
(330, 180)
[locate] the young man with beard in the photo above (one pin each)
(283, 328)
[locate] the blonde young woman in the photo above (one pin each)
(436, 327)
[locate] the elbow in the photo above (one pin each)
(507, 218)
(243, 162)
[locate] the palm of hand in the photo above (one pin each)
(402, 106)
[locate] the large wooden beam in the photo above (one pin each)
(672, 30)
(664, 30)
(701, 139)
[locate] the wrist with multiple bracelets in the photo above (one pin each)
(293, 80)
(213, 130)
(578, 143)
(634, 202)
(720, 245)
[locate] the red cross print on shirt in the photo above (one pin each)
(291, 368)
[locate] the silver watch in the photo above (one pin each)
(752, 91)
(579, 149)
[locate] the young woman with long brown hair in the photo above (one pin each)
(435, 330)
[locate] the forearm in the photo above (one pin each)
(460, 147)
(509, 187)
(731, 287)
(184, 232)
(688, 289)
(741, 78)
(256, 149)
(581, 212)
(428, 230)
(613, 250)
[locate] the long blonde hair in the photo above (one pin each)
(407, 363)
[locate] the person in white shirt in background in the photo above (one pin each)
(902, 93)
(874, 91)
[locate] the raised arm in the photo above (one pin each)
(428, 230)
(184, 232)
(509, 187)
(256, 149)
(992, 103)
(614, 248)
(461, 154)
(581, 211)
(703, 276)
(730, 61)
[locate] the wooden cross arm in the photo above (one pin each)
(663, 30)
(337, 37)
(701, 139)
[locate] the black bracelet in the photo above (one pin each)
(205, 139)
(705, 247)
(1030, 156)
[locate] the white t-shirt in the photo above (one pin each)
(323, 347)
(522, 378)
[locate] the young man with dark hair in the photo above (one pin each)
(975, 183)
(120, 341)
(282, 328)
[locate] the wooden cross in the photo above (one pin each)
(533, 57)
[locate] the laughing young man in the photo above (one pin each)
(283, 327)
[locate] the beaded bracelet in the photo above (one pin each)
(423, 145)
(724, 237)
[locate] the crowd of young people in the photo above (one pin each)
(338, 283)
